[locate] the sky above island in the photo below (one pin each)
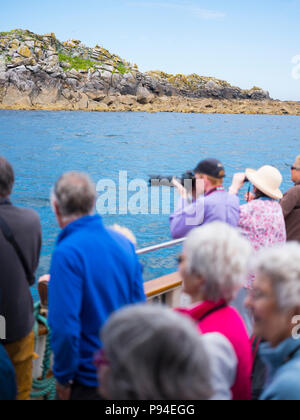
(255, 43)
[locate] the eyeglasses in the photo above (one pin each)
(180, 259)
(293, 168)
(257, 294)
(100, 359)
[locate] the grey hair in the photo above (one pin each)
(219, 254)
(281, 265)
(7, 178)
(155, 354)
(74, 194)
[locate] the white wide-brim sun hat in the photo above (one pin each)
(268, 180)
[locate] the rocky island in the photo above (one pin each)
(40, 72)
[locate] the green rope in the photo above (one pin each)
(44, 387)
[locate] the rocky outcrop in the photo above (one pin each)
(40, 72)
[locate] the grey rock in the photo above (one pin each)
(34, 69)
(55, 75)
(109, 100)
(65, 65)
(29, 44)
(21, 68)
(96, 96)
(211, 85)
(68, 94)
(3, 77)
(2, 64)
(73, 74)
(107, 68)
(106, 75)
(143, 95)
(53, 70)
(73, 83)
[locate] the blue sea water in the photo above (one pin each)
(42, 145)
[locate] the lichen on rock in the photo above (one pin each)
(40, 72)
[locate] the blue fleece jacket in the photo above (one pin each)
(283, 364)
(8, 386)
(94, 272)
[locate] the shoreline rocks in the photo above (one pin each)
(129, 103)
(40, 72)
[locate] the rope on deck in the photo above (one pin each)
(44, 387)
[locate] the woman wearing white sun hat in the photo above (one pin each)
(261, 219)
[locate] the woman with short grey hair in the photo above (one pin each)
(275, 303)
(220, 255)
(153, 353)
(213, 267)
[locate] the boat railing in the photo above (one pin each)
(166, 289)
(158, 247)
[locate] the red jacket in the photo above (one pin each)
(228, 322)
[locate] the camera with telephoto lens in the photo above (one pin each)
(187, 180)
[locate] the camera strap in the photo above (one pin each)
(221, 188)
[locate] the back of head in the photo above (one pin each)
(7, 178)
(219, 254)
(155, 354)
(75, 194)
(125, 232)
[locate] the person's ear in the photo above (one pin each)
(200, 281)
(58, 214)
(56, 209)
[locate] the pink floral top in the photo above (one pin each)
(262, 222)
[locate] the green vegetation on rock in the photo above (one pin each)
(42, 60)
(76, 63)
(122, 69)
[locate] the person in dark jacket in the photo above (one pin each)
(291, 205)
(94, 272)
(16, 304)
(8, 386)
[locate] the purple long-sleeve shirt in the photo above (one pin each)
(216, 206)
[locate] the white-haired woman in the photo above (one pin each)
(275, 303)
(213, 267)
(153, 353)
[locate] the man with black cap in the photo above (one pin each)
(210, 203)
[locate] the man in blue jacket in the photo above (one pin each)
(94, 272)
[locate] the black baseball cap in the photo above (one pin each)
(211, 167)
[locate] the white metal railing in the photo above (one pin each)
(160, 246)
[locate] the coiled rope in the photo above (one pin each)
(44, 387)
